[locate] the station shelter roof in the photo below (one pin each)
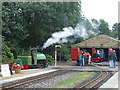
(100, 41)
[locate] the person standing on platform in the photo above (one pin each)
(84, 57)
(111, 58)
(89, 58)
(102, 55)
(81, 60)
(115, 58)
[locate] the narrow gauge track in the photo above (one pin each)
(94, 82)
(27, 81)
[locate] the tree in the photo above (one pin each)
(114, 32)
(7, 55)
(0, 48)
(64, 52)
(50, 59)
(95, 25)
(14, 29)
(104, 27)
(48, 18)
(27, 24)
(119, 31)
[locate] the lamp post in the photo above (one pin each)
(56, 46)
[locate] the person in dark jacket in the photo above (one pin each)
(96, 55)
(111, 58)
(115, 59)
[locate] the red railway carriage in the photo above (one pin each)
(75, 52)
(96, 59)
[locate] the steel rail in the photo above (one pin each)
(20, 83)
(104, 76)
(91, 84)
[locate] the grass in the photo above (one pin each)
(79, 77)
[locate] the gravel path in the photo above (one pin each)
(49, 82)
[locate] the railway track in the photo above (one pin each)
(94, 82)
(89, 85)
(27, 81)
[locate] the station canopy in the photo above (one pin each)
(100, 41)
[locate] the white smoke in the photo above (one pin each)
(61, 36)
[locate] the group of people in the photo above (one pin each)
(112, 58)
(99, 54)
(84, 58)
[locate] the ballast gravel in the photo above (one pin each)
(49, 82)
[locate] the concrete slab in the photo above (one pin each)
(26, 76)
(86, 68)
(112, 82)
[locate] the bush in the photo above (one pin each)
(7, 56)
(50, 59)
(63, 52)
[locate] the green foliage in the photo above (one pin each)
(95, 21)
(119, 31)
(35, 22)
(104, 27)
(7, 56)
(64, 52)
(50, 59)
(0, 48)
(14, 29)
(28, 24)
(114, 32)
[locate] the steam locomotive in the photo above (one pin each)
(32, 59)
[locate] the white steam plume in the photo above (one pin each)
(61, 36)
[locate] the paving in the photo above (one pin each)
(112, 83)
(26, 75)
(86, 68)
(104, 63)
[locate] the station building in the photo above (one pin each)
(100, 42)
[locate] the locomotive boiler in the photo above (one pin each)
(32, 59)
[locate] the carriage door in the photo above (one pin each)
(93, 51)
(74, 54)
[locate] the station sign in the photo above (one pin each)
(5, 71)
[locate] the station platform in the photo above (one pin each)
(73, 63)
(111, 84)
(25, 74)
(85, 68)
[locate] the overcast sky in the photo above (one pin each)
(101, 9)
